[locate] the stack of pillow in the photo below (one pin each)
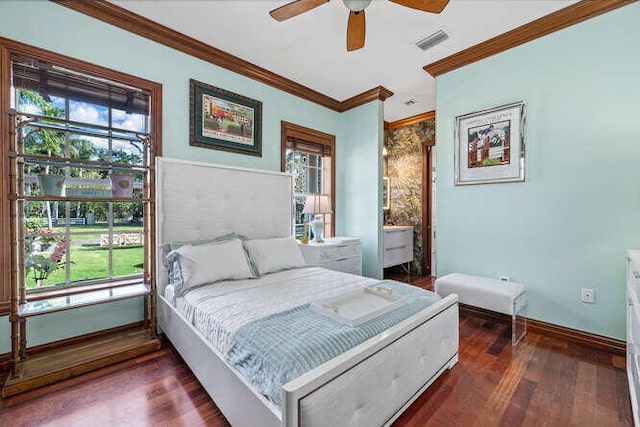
(229, 257)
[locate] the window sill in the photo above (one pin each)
(54, 292)
(83, 299)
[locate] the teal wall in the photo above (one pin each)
(56, 28)
(567, 226)
(359, 179)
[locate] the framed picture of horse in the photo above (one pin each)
(224, 120)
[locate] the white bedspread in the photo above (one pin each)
(219, 310)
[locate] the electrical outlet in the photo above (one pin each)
(504, 278)
(587, 295)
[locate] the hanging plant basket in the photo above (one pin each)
(122, 185)
(51, 185)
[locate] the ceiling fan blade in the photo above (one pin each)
(433, 6)
(295, 8)
(355, 31)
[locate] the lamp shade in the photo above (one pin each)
(317, 204)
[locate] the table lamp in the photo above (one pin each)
(317, 205)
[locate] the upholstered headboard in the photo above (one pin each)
(196, 201)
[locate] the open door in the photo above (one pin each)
(427, 206)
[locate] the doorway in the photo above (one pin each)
(409, 160)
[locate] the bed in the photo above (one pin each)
(369, 384)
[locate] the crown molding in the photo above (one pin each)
(119, 17)
(429, 115)
(377, 93)
(576, 13)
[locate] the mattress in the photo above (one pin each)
(218, 311)
(266, 329)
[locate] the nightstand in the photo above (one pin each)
(336, 253)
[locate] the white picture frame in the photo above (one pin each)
(490, 145)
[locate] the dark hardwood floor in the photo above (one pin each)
(541, 382)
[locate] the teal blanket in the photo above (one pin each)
(274, 350)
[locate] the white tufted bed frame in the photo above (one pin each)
(371, 384)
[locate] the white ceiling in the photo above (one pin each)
(311, 48)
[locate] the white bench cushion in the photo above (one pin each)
(490, 294)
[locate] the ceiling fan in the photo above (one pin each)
(356, 25)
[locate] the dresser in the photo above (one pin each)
(633, 331)
(397, 245)
(336, 253)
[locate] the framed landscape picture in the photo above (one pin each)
(224, 120)
(489, 145)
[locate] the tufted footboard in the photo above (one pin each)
(373, 383)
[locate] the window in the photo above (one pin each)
(309, 156)
(83, 148)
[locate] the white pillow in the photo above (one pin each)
(271, 255)
(200, 264)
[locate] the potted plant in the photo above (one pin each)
(47, 237)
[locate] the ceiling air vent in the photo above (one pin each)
(432, 40)
(409, 102)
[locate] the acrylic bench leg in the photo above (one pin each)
(518, 310)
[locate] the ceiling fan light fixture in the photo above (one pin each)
(356, 5)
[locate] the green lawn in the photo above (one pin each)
(92, 262)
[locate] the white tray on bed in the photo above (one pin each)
(356, 307)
